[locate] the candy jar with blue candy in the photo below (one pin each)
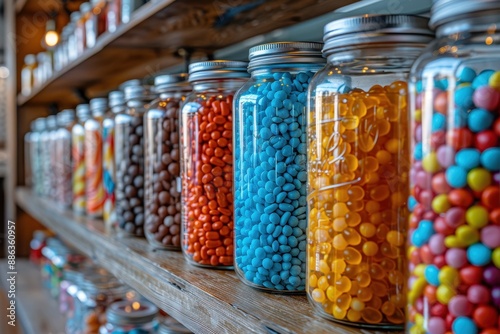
(131, 317)
(358, 169)
(270, 166)
(454, 227)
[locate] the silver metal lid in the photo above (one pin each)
(85, 7)
(51, 122)
(75, 16)
(285, 53)
(139, 93)
(370, 29)
(171, 82)
(65, 117)
(98, 105)
(40, 124)
(82, 111)
(116, 100)
(444, 11)
(133, 82)
(131, 312)
(218, 69)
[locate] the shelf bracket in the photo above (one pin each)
(80, 93)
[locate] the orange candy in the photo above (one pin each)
(460, 197)
(485, 316)
(459, 138)
(491, 197)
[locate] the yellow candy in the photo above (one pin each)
(339, 313)
(417, 330)
(364, 294)
(339, 242)
(395, 238)
(357, 305)
(444, 293)
(440, 203)
(353, 219)
(478, 179)
(476, 216)
(332, 294)
(353, 316)
(338, 266)
(467, 235)
(352, 256)
(495, 80)
(339, 224)
(449, 276)
(452, 241)
(344, 300)
(420, 270)
(313, 280)
(343, 284)
(430, 163)
(418, 286)
(418, 115)
(495, 257)
(367, 230)
(393, 146)
(370, 248)
(340, 210)
(323, 283)
(419, 320)
(318, 295)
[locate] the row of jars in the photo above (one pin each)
(82, 32)
(94, 301)
(331, 177)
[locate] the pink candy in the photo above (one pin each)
(478, 294)
(460, 306)
(456, 257)
(490, 236)
(436, 244)
(487, 98)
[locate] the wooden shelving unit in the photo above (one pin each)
(204, 300)
(151, 41)
(30, 294)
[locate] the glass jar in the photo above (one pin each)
(78, 158)
(162, 164)
(116, 105)
(130, 317)
(36, 246)
(454, 227)
(129, 160)
(73, 36)
(270, 166)
(28, 146)
(113, 15)
(80, 28)
(60, 52)
(68, 287)
(358, 169)
(96, 292)
(207, 162)
(36, 156)
(55, 254)
(94, 190)
(28, 74)
(128, 7)
(96, 24)
(47, 149)
(63, 167)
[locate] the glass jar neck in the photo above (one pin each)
(173, 94)
(379, 58)
(266, 71)
(218, 84)
(476, 23)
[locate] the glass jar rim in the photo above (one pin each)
(446, 11)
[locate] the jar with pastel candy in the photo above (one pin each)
(454, 227)
(78, 158)
(162, 163)
(94, 190)
(358, 169)
(207, 162)
(47, 152)
(35, 155)
(63, 166)
(270, 166)
(129, 160)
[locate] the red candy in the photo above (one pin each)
(471, 275)
(485, 139)
(496, 127)
(439, 184)
(495, 216)
(485, 316)
(459, 138)
(490, 197)
(460, 197)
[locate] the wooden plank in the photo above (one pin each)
(36, 310)
(204, 300)
(159, 29)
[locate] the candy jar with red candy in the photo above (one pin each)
(454, 227)
(207, 162)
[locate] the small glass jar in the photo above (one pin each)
(96, 24)
(73, 36)
(80, 28)
(78, 158)
(28, 74)
(68, 287)
(207, 162)
(47, 154)
(116, 103)
(113, 15)
(36, 156)
(270, 166)
(55, 253)
(94, 191)
(129, 160)
(63, 167)
(162, 164)
(358, 169)
(36, 245)
(128, 7)
(61, 51)
(39, 73)
(28, 147)
(131, 317)
(454, 226)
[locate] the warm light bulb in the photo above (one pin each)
(51, 38)
(136, 305)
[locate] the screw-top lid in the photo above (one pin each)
(133, 82)
(98, 105)
(82, 111)
(349, 33)
(116, 101)
(40, 124)
(131, 313)
(138, 93)
(285, 53)
(33, 126)
(29, 59)
(75, 16)
(444, 11)
(85, 7)
(171, 82)
(218, 69)
(51, 122)
(65, 117)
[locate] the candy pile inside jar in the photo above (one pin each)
(358, 172)
(455, 203)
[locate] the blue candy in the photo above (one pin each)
(490, 159)
(466, 74)
(468, 158)
(478, 254)
(482, 79)
(438, 122)
(456, 176)
(479, 120)
(464, 325)
(463, 97)
(432, 274)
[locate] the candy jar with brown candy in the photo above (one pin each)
(63, 167)
(358, 169)
(162, 162)
(207, 162)
(129, 160)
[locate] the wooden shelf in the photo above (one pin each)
(204, 300)
(151, 40)
(36, 310)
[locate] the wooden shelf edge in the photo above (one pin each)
(107, 39)
(204, 300)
